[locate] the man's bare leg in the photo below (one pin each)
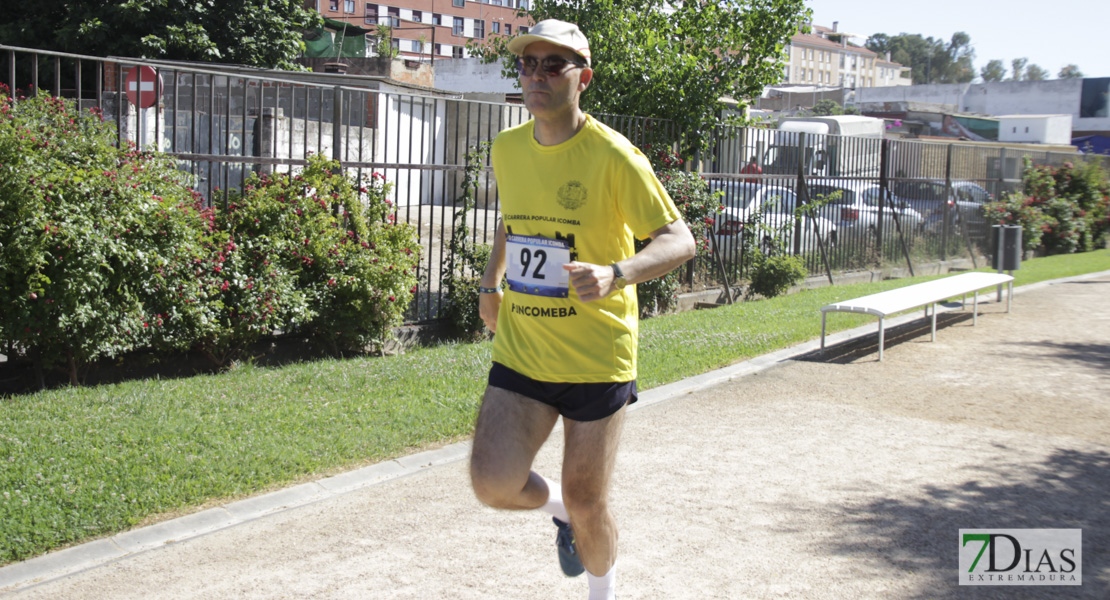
(510, 431)
(588, 461)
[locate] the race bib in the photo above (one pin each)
(535, 265)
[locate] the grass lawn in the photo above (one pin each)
(78, 463)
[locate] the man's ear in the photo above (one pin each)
(585, 79)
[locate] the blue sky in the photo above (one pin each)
(1049, 33)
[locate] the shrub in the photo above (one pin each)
(773, 275)
(93, 238)
(698, 207)
(1066, 208)
(316, 253)
(467, 261)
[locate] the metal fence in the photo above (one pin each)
(225, 123)
(846, 203)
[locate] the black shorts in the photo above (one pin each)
(577, 401)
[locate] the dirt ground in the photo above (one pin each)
(829, 476)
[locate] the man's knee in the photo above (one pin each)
(494, 486)
(584, 505)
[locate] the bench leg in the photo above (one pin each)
(882, 337)
(1010, 296)
(823, 315)
(975, 314)
(933, 333)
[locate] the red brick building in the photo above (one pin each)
(426, 28)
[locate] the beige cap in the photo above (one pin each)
(556, 32)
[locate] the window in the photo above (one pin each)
(417, 16)
(508, 29)
(333, 5)
(417, 47)
(479, 28)
(371, 13)
(438, 49)
(394, 16)
(457, 28)
(456, 52)
(495, 27)
(458, 3)
(523, 30)
(437, 19)
(349, 6)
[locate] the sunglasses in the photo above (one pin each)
(552, 65)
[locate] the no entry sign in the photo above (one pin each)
(143, 86)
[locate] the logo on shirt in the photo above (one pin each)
(572, 195)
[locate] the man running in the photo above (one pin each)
(574, 195)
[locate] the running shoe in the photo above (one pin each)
(568, 551)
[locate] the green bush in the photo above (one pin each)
(107, 250)
(699, 208)
(94, 240)
(319, 254)
(467, 261)
(1066, 208)
(773, 275)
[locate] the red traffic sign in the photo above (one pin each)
(143, 86)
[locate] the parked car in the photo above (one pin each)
(855, 207)
(774, 207)
(929, 197)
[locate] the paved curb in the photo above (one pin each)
(118, 547)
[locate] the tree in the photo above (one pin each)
(1035, 73)
(261, 33)
(1018, 65)
(826, 107)
(994, 71)
(932, 60)
(675, 61)
(1070, 72)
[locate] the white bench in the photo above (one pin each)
(924, 294)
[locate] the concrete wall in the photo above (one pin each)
(1059, 96)
(467, 75)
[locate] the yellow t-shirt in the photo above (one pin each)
(584, 200)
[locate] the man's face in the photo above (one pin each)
(549, 96)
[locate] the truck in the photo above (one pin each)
(831, 146)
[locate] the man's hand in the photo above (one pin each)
(590, 281)
(488, 307)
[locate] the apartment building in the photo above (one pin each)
(423, 29)
(825, 57)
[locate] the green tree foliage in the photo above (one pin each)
(826, 107)
(674, 61)
(1018, 68)
(261, 33)
(1035, 73)
(1070, 72)
(994, 71)
(932, 60)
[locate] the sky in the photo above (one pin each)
(1050, 33)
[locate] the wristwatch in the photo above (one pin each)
(619, 281)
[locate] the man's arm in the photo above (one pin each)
(671, 245)
(490, 304)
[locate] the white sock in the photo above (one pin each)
(603, 587)
(554, 505)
